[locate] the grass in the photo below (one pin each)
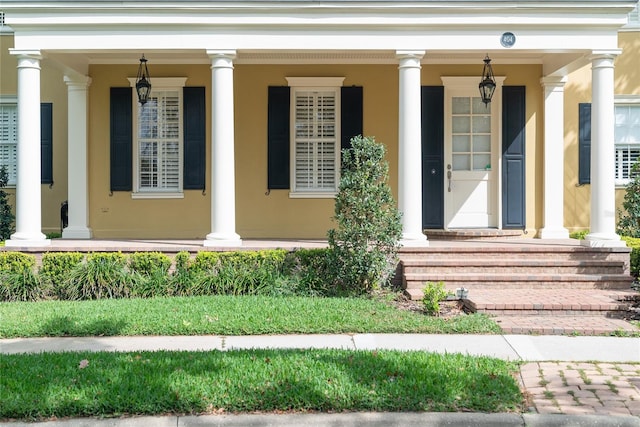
(224, 315)
(58, 385)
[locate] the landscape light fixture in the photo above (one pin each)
(143, 83)
(487, 83)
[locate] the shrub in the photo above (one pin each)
(16, 262)
(236, 273)
(56, 267)
(634, 244)
(147, 263)
(101, 275)
(365, 243)
(18, 279)
(629, 222)
(579, 235)
(6, 216)
(311, 270)
(433, 294)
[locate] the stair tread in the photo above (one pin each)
(518, 276)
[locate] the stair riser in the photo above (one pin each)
(515, 269)
(529, 284)
(618, 314)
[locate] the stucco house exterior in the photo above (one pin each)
(252, 101)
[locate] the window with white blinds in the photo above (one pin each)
(159, 142)
(315, 144)
(9, 139)
(627, 138)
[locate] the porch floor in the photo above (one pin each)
(515, 310)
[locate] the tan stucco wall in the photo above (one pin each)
(260, 213)
(54, 90)
(578, 90)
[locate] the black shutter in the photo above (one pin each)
(432, 156)
(194, 138)
(46, 143)
(584, 144)
(351, 110)
(278, 137)
(513, 156)
(121, 138)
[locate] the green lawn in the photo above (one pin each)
(224, 315)
(44, 385)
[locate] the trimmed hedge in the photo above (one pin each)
(76, 276)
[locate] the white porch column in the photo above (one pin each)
(409, 149)
(77, 158)
(28, 192)
(603, 203)
(223, 189)
(554, 158)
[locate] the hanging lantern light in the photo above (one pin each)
(487, 83)
(143, 83)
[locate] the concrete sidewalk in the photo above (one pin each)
(569, 381)
(510, 347)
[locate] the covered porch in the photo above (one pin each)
(96, 40)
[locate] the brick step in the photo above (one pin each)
(484, 266)
(506, 282)
(563, 325)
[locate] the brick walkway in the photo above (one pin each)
(583, 388)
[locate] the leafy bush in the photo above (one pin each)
(237, 273)
(101, 275)
(634, 244)
(147, 263)
(579, 235)
(433, 294)
(629, 222)
(365, 243)
(56, 267)
(311, 270)
(6, 216)
(18, 279)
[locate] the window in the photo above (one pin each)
(9, 139)
(315, 130)
(158, 141)
(627, 139)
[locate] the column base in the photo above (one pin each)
(414, 240)
(22, 240)
(76, 233)
(603, 240)
(558, 233)
(222, 240)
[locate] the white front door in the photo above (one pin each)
(471, 157)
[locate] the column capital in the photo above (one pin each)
(605, 54)
(77, 81)
(406, 54)
(26, 53)
(225, 53)
(554, 81)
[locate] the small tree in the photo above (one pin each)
(6, 216)
(629, 221)
(365, 244)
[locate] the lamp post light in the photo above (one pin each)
(487, 83)
(143, 83)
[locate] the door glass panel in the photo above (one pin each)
(478, 107)
(481, 143)
(481, 162)
(461, 124)
(461, 162)
(460, 105)
(461, 143)
(481, 124)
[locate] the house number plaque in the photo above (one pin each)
(507, 39)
